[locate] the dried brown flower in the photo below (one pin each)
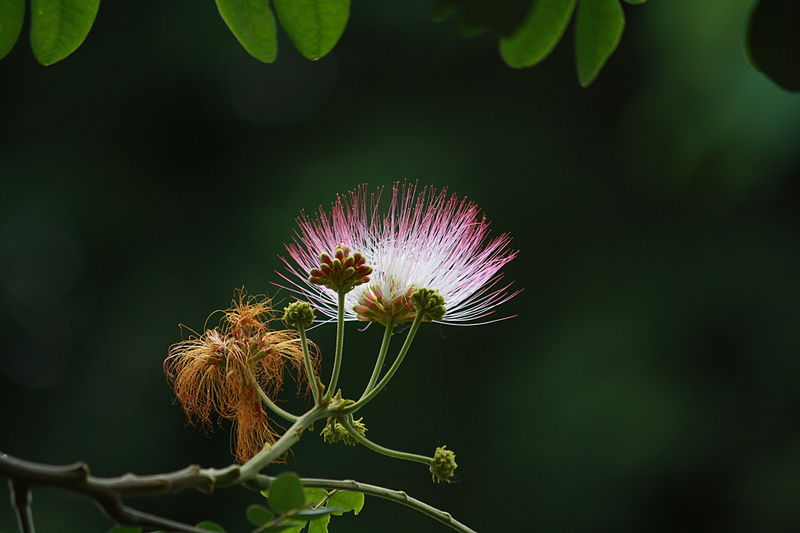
(212, 373)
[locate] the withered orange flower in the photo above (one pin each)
(216, 374)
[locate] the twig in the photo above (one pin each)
(398, 496)
(21, 501)
(109, 492)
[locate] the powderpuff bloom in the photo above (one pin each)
(215, 374)
(426, 239)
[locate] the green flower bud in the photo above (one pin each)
(334, 432)
(430, 303)
(360, 428)
(298, 314)
(443, 464)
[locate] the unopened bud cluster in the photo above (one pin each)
(298, 314)
(374, 306)
(430, 303)
(443, 464)
(336, 432)
(342, 272)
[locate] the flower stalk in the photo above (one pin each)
(337, 358)
(310, 374)
(392, 369)
(266, 400)
(347, 422)
(387, 339)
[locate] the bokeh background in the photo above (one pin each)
(649, 382)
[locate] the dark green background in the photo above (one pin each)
(650, 380)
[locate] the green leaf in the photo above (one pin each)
(320, 526)
(315, 514)
(286, 493)
(598, 29)
(125, 529)
(288, 527)
(347, 501)
(636, 1)
(211, 526)
(538, 34)
(773, 41)
(257, 515)
(12, 14)
(315, 495)
(58, 27)
(253, 25)
(314, 26)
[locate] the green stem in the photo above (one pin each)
(395, 365)
(337, 359)
(312, 378)
(280, 446)
(286, 415)
(387, 339)
(347, 421)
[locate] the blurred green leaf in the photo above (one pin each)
(347, 501)
(12, 14)
(58, 27)
(125, 529)
(773, 41)
(314, 26)
(478, 16)
(288, 527)
(286, 493)
(211, 526)
(315, 514)
(257, 514)
(253, 25)
(636, 1)
(443, 10)
(539, 33)
(320, 526)
(598, 29)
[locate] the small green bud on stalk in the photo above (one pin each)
(430, 303)
(336, 432)
(298, 314)
(443, 464)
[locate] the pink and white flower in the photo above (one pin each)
(426, 239)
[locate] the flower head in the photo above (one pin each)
(215, 374)
(427, 239)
